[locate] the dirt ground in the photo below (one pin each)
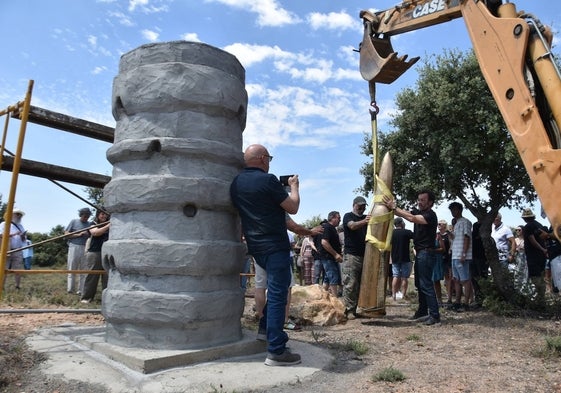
(469, 352)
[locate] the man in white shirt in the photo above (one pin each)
(461, 257)
(504, 241)
(18, 238)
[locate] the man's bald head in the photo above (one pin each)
(257, 156)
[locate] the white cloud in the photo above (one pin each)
(332, 21)
(123, 19)
(304, 66)
(251, 54)
(321, 72)
(191, 37)
(269, 12)
(348, 55)
(94, 49)
(150, 35)
(99, 70)
(137, 3)
(296, 116)
(146, 7)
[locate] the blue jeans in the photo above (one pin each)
(331, 269)
(424, 265)
(278, 268)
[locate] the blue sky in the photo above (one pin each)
(307, 101)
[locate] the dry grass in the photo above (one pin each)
(39, 291)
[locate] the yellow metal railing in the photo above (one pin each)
(15, 172)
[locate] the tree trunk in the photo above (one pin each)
(501, 276)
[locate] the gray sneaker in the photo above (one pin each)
(432, 321)
(350, 315)
(261, 335)
(284, 359)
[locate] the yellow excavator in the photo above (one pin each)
(514, 52)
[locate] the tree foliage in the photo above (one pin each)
(312, 222)
(50, 253)
(450, 137)
(95, 195)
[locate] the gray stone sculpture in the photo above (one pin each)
(174, 253)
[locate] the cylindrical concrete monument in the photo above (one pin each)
(174, 253)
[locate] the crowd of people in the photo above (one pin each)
(332, 255)
(84, 239)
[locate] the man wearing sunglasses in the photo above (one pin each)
(262, 203)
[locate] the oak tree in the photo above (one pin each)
(449, 136)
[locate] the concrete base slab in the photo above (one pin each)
(80, 353)
(148, 360)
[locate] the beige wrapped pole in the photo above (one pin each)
(371, 300)
(372, 297)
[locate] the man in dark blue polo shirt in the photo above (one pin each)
(263, 203)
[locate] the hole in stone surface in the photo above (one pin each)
(108, 262)
(154, 146)
(118, 108)
(190, 210)
(241, 116)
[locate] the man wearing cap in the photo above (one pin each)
(354, 228)
(76, 244)
(18, 239)
(535, 249)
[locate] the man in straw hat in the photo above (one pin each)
(17, 240)
(535, 250)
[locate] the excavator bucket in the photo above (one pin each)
(378, 61)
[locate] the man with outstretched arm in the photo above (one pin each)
(424, 234)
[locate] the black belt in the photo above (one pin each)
(427, 249)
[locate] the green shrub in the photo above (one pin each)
(389, 374)
(357, 347)
(553, 345)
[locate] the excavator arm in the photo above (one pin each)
(514, 53)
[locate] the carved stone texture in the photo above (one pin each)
(174, 253)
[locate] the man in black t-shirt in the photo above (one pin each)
(354, 227)
(535, 250)
(425, 223)
(330, 252)
(401, 257)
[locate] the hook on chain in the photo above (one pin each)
(374, 109)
